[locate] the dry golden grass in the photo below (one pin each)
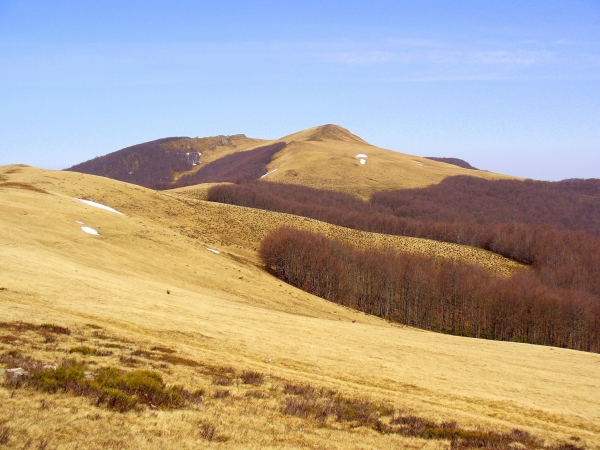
(244, 228)
(223, 310)
(325, 157)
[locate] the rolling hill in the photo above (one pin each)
(173, 285)
(326, 157)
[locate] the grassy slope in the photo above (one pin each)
(324, 157)
(224, 310)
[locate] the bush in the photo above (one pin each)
(253, 378)
(114, 388)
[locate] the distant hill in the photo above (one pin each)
(454, 161)
(159, 163)
(145, 164)
(324, 157)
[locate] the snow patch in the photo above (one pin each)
(417, 162)
(268, 173)
(98, 205)
(79, 222)
(213, 250)
(363, 158)
(89, 230)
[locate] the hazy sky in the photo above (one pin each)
(510, 86)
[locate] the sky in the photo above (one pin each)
(509, 86)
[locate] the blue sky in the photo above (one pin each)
(510, 86)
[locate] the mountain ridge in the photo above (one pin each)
(327, 157)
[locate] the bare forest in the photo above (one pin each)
(238, 167)
(153, 166)
(435, 294)
(146, 164)
(553, 227)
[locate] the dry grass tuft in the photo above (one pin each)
(253, 378)
(5, 434)
(24, 186)
(162, 349)
(222, 393)
(222, 381)
(117, 390)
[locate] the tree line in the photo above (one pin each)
(436, 294)
(563, 258)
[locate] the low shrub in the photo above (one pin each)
(222, 393)
(253, 378)
(56, 329)
(299, 389)
(116, 389)
(222, 381)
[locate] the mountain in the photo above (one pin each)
(326, 157)
(160, 162)
(170, 297)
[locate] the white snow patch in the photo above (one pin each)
(362, 161)
(361, 155)
(417, 162)
(98, 205)
(79, 222)
(89, 230)
(268, 173)
(213, 250)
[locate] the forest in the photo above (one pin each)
(238, 167)
(435, 294)
(146, 164)
(552, 227)
(153, 166)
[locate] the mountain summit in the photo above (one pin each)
(328, 132)
(325, 157)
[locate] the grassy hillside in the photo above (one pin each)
(326, 157)
(147, 294)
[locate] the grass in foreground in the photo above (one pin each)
(134, 387)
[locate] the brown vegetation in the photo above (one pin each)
(238, 167)
(144, 164)
(564, 258)
(29, 187)
(438, 295)
(454, 161)
(137, 396)
(566, 205)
